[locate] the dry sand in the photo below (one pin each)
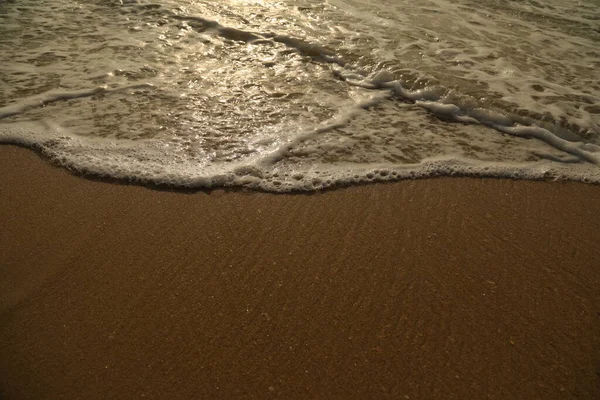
(431, 289)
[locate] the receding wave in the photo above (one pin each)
(161, 93)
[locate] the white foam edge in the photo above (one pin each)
(46, 98)
(148, 162)
(336, 122)
(430, 100)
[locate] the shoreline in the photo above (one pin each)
(432, 288)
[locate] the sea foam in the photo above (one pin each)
(261, 97)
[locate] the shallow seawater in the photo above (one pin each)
(300, 95)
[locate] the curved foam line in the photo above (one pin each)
(432, 102)
(334, 123)
(550, 138)
(102, 158)
(51, 97)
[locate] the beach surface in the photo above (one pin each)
(427, 289)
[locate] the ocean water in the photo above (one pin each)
(283, 95)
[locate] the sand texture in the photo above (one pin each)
(433, 289)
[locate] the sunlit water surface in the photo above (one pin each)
(302, 94)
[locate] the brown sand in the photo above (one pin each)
(442, 288)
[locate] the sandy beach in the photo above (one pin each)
(430, 289)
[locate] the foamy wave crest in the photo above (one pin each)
(157, 162)
(431, 100)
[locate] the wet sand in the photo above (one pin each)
(433, 289)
